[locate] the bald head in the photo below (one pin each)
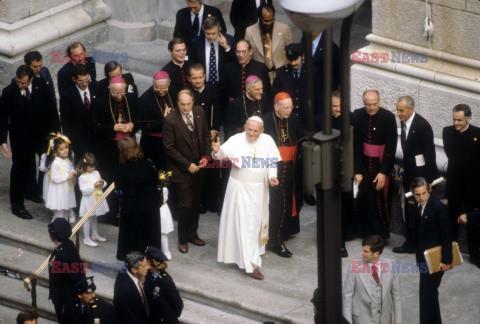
(117, 90)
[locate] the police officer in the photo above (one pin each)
(65, 267)
(86, 308)
(164, 301)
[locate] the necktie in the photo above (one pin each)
(196, 25)
(402, 134)
(295, 74)
(375, 274)
(28, 94)
(419, 211)
(86, 101)
(144, 299)
(190, 122)
(212, 74)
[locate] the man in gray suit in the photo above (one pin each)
(371, 293)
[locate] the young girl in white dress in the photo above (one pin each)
(61, 195)
(91, 185)
(166, 224)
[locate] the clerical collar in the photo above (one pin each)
(201, 90)
(180, 65)
(463, 131)
(336, 116)
(245, 65)
(251, 99)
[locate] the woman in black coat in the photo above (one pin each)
(136, 183)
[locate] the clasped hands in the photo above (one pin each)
(379, 179)
(123, 128)
(193, 168)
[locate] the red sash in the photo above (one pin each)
(121, 136)
(372, 150)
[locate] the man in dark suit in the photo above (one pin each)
(75, 107)
(236, 73)
(318, 52)
(213, 50)
(65, 266)
(418, 149)
(129, 299)
(462, 146)
(243, 13)
(28, 113)
(189, 20)
(77, 55)
(431, 228)
(113, 69)
(34, 60)
(186, 141)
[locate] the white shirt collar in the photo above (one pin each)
(23, 92)
(200, 17)
(315, 43)
(82, 91)
(408, 123)
(135, 281)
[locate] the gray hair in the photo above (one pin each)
(252, 83)
(418, 182)
(371, 90)
(133, 259)
(408, 100)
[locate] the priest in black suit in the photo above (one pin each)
(431, 228)
(113, 118)
(236, 73)
(375, 144)
(129, 299)
(462, 146)
(213, 50)
(77, 55)
(252, 103)
(154, 105)
(206, 97)
(419, 160)
(243, 13)
(177, 68)
(75, 108)
(28, 115)
(113, 69)
(189, 20)
(286, 129)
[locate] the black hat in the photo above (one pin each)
(316, 297)
(293, 51)
(154, 253)
(85, 285)
(60, 229)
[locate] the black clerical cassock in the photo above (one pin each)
(286, 198)
(375, 144)
(242, 108)
(178, 75)
(151, 111)
(208, 99)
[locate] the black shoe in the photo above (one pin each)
(403, 249)
(281, 250)
(310, 200)
(22, 213)
(344, 253)
(35, 198)
(203, 210)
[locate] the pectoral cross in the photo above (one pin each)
(284, 136)
(120, 118)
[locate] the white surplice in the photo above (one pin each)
(243, 229)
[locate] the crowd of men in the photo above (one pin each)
(245, 85)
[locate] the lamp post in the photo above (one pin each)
(325, 151)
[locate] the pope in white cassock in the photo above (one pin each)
(244, 221)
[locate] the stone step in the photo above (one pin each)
(16, 260)
(198, 276)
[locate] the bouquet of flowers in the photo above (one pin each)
(164, 178)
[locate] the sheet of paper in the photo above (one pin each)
(419, 160)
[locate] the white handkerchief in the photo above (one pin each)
(355, 189)
(419, 160)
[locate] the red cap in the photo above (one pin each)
(251, 78)
(117, 79)
(160, 75)
(282, 96)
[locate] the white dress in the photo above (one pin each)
(46, 178)
(61, 195)
(243, 229)
(166, 222)
(86, 183)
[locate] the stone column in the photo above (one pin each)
(47, 26)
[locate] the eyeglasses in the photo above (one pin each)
(160, 89)
(118, 94)
(84, 81)
(180, 50)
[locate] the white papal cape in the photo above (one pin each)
(244, 221)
